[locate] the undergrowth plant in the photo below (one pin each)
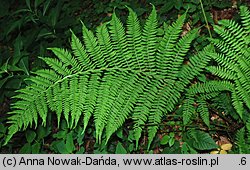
(243, 139)
(232, 65)
(234, 59)
(114, 75)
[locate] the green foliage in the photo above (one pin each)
(243, 139)
(123, 78)
(120, 149)
(200, 140)
(168, 139)
(142, 78)
(201, 92)
(186, 149)
(223, 103)
(29, 27)
(14, 69)
(234, 61)
(233, 65)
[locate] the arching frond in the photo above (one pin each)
(117, 74)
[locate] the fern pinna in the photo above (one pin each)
(114, 75)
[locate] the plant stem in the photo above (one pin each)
(203, 11)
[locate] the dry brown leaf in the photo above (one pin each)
(214, 152)
(223, 152)
(226, 147)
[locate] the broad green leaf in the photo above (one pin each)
(24, 65)
(119, 133)
(184, 148)
(37, 3)
(120, 149)
(36, 148)
(42, 132)
(3, 81)
(178, 4)
(165, 140)
(26, 149)
(61, 134)
(201, 140)
(30, 135)
(61, 147)
(171, 142)
(131, 147)
(14, 68)
(2, 128)
(81, 151)
(14, 83)
(70, 142)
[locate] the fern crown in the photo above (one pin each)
(116, 74)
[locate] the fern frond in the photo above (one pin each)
(168, 96)
(142, 110)
(57, 66)
(188, 109)
(168, 43)
(58, 94)
(195, 65)
(134, 37)
(124, 104)
(231, 33)
(64, 90)
(210, 86)
(93, 47)
(119, 42)
(114, 75)
(237, 103)
(234, 62)
(91, 98)
(66, 57)
(76, 107)
(243, 138)
(203, 92)
(13, 129)
(203, 111)
(222, 72)
(240, 138)
(104, 41)
(149, 39)
(180, 49)
(245, 17)
(108, 92)
(242, 93)
(224, 61)
(80, 53)
(163, 103)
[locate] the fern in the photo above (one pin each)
(233, 61)
(223, 103)
(243, 139)
(117, 74)
(199, 93)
